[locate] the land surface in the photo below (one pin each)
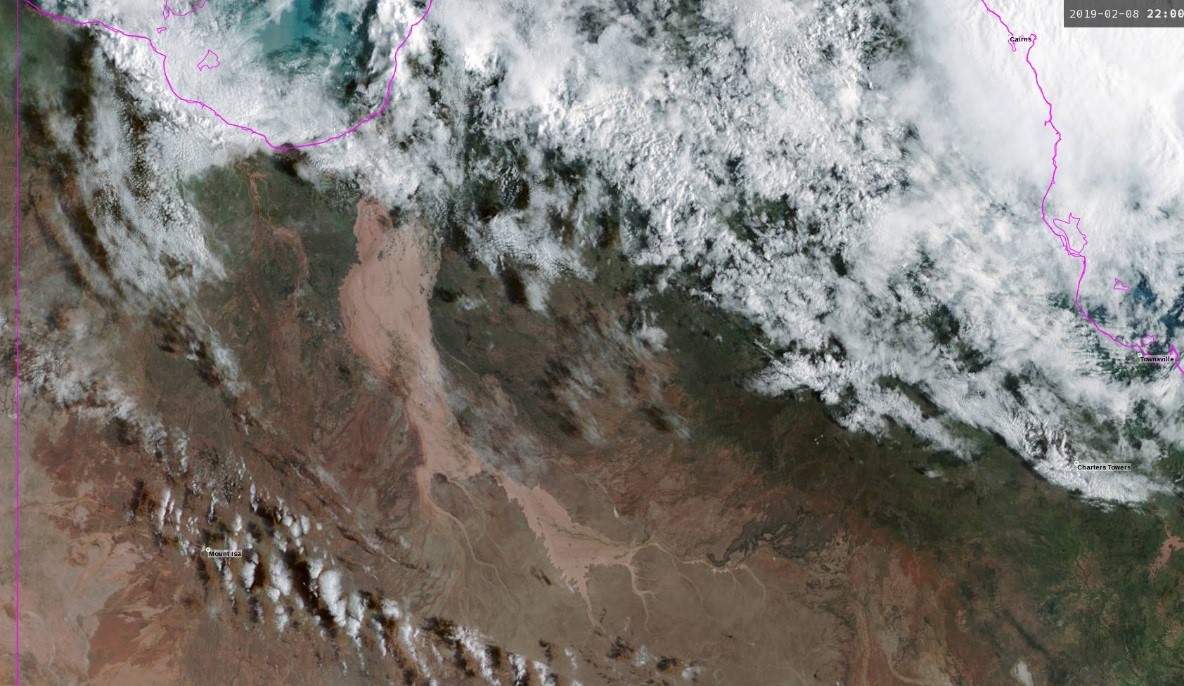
(429, 479)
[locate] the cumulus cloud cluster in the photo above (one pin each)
(860, 178)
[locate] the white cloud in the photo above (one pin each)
(860, 179)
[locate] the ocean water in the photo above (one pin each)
(308, 37)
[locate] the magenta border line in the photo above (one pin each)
(373, 115)
(164, 58)
(1072, 220)
(16, 422)
(386, 101)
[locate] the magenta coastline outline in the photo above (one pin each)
(16, 319)
(1055, 224)
(164, 59)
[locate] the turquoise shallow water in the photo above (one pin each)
(308, 39)
(294, 27)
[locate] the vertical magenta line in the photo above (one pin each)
(1063, 235)
(16, 422)
(164, 67)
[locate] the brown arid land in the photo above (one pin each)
(428, 480)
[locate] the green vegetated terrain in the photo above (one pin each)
(1034, 566)
(1072, 579)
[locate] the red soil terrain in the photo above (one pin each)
(425, 486)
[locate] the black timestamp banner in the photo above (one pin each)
(1123, 13)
